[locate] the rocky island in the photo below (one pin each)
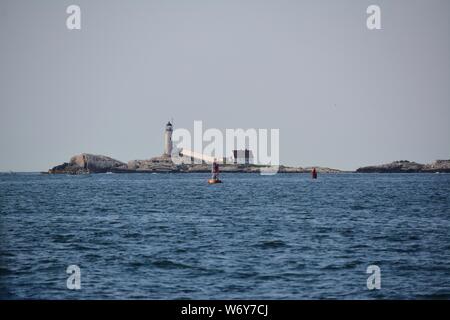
(404, 166)
(89, 163)
(241, 161)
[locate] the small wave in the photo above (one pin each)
(132, 235)
(272, 244)
(246, 274)
(168, 264)
(359, 246)
(137, 264)
(5, 271)
(7, 254)
(62, 238)
(357, 207)
(332, 267)
(268, 277)
(278, 276)
(434, 296)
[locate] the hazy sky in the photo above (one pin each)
(342, 96)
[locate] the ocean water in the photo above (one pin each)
(173, 236)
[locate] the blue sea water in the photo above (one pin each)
(173, 236)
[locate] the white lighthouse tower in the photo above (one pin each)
(168, 139)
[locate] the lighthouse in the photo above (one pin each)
(168, 139)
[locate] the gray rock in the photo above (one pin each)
(88, 163)
(437, 166)
(404, 166)
(156, 164)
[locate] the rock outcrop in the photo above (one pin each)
(157, 164)
(88, 163)
(437, 166)
(284, 169)
(404, 166)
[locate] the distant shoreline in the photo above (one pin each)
(88, 163)
(223, 172)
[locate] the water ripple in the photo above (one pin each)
(173, 236)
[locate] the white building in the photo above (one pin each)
(243, 157)
(168, 140)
